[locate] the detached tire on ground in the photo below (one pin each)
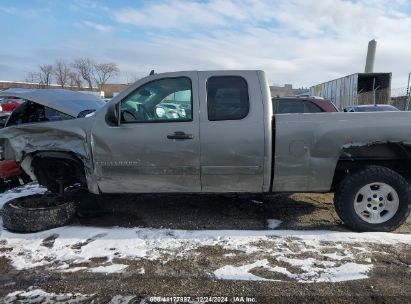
(37, 212)
(373, 199)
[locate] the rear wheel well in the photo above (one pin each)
(55, 169)
(395, 156)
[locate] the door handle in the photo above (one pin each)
(180, 135)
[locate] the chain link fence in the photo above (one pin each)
(399, 98)
(377, 97)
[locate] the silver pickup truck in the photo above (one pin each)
(214, 132)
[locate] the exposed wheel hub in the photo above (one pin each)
(376, 203)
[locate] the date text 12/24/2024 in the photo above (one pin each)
(157, 299)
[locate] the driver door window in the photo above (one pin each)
(162, 100)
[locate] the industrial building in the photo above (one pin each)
(358, 88)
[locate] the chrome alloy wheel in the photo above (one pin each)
(376, 203)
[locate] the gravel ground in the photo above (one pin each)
(191, 270)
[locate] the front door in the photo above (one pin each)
(156, 147)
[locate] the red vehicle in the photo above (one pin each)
(295, 104)
(8, 104)
(11, 175)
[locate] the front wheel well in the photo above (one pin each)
(56, 169)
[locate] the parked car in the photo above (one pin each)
(166, 113)
(282, 105)
(170, 110)
(9, 103)
(231, 143)
(371, 108)
(175, 108)
(40, 106)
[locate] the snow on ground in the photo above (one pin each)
(304, 256)
(25, 190)
(36, 295)
(78, 245)
(346, 272)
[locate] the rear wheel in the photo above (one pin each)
(373, 199)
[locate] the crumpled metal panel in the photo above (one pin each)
(64, 136)
(66, 101)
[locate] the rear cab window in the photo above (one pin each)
(227, 98)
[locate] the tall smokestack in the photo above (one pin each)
(369, 64)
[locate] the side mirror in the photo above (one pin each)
(112, 115)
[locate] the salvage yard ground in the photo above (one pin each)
(290, 248)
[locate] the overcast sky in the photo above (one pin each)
(300, 42)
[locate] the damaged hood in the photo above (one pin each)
(66, 101)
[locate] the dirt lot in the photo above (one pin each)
(139, 247)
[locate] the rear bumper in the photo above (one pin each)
(9, 168)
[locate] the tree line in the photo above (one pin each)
(79, 72)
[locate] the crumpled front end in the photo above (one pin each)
(22, 142)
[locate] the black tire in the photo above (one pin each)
(37, 212)
(344, 198)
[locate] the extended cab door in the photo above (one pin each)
(231, 131)
(155, 147)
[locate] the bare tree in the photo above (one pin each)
(61, 71)
(34, 78)
(45, 74)
(103, 72)
(85, 67)
(75, 79)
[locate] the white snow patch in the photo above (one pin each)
(310, 274)
(29, 189)
(336, 256)
(345, 272)
(230, 272)
(35, 295)
(273, 223)
(121, 299)
(114, 268)
(73, 269)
